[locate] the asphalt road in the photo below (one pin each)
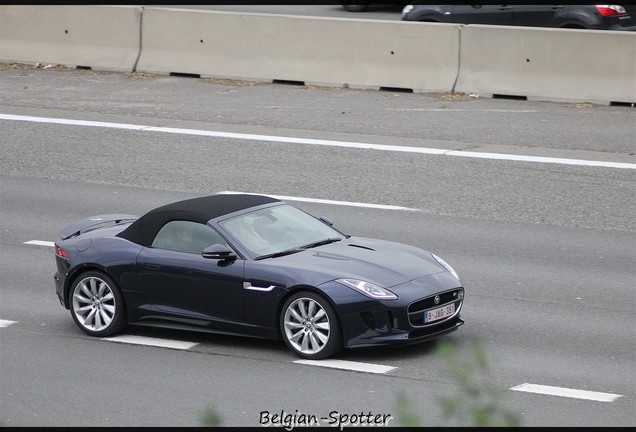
(546, 250)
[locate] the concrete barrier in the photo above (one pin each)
(535, 63)
(548, 64)
(317, 51)
(99, 37)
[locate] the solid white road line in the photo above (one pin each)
(280, 139)
(566, 392)
(349, 365)
(150, 341)
(6, 323)
(462, 110)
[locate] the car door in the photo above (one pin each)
(473, 13)
(178, 281)
(535, 15)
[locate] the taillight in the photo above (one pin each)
(611, 10)
(60, 252)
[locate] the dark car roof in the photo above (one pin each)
(201, 210)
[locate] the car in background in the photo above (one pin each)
(252, 265)
(587, 16)
(365, 5)
(355, 6)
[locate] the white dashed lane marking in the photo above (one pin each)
(566, 392)
(6, 323)
(149, 341)
(332, 202)
(360, 367)
(349, 365)
(39, 243)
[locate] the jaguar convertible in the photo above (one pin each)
(252, 265)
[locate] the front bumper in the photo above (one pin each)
(367, 322)
(401, 337)
(619, 27)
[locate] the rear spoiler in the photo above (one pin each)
(94, 222)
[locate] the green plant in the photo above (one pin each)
(478, 403)
(405, 413)
(210, 417)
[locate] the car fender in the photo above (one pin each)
(432, 13)
(332, 291)
(102, 256)
(429, 17)
(75, 273)
(575, 18)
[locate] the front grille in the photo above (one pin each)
(417, 309)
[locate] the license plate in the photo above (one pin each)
(439, 313)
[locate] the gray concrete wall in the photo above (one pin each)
(537, 63)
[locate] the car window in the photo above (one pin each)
(276, 229)
(186, 236)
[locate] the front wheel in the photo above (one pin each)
(310, 327)
(97, 306)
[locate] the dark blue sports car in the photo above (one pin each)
(252, 265)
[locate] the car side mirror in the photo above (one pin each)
(217, 251)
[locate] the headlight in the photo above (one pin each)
(407, 9)
(446, 265)
(369, 289)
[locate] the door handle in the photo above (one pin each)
(152, 267)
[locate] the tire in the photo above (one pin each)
(96, 304)
(309, 326)
(354, 6)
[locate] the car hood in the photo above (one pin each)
(381, 262)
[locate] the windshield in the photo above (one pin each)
(284, 228)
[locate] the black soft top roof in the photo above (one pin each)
(201, 210)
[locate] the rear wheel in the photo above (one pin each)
(310, 327)
(97, 306)
(355, 6)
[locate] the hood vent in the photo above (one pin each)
(331, 256)
(362, 247)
